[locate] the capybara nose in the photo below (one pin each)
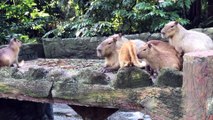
(163, 33)
(99, 50)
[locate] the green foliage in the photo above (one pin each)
(104, 17)
(32, 19)
(21, 18)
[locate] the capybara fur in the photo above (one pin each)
(159, 54)
(186, 40)
(9, 54)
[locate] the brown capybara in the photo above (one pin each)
(9, 54)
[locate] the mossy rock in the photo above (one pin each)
(88, 76)
(36, 88)
(64, 84)
(36, 73)
(132, 77)
(169, 77)
(6, 72)
(155, 36)
(17, 74)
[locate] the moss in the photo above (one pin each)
(169, 77)
(6, 89)
(5, 72)
(101, 97)
(132, 77)
(33, 94)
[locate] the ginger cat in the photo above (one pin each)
(127, 55)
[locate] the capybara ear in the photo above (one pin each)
(13, 39)
(120, 34)
(149, 45)
(114, 39)
(176, 22)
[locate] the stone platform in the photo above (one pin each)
(79, 83)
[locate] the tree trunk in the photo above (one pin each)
(210, 8)
(198, 85)
(195, 12)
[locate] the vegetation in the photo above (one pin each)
(29, 20)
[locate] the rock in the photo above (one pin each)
(29, 83)
(6, 72)
(169, 77)
(209, 32)
(36, 73)
(64, 112)
(31, 51)
(88, 76)
(145, 36)
(197, 29)
(210, 106)
(55, 74)
(132, 77)
(155, 36)
(64, 85)
(35, 88)
(133, 36)
(17, 74)
(127, 115)
(71, 47)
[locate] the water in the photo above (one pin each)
(64, 112)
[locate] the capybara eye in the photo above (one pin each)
(144, 49)
(109, 43)
(172, 26)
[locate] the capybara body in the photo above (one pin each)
(9, 54)
(186, 40)
(160, 55)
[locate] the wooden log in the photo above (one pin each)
(197, 85)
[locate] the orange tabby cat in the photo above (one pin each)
(127, 55)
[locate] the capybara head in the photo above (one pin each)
(145, 50)
(169, 29)
(15, 42)
(108, 46)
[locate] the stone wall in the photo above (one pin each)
(86, 47)
(71, 47)
(31, 51)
